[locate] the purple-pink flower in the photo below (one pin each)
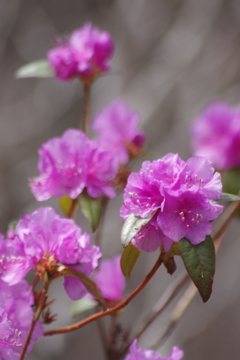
(70, 163)
(101, 170)
(110, 279)
(42, 241)
(117, 128)
(137, 353)
(215, 134)
(178, 195)
(85, 54)
(16, 316)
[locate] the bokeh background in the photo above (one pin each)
(172, 58)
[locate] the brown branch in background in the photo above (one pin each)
(176, 314)
(171, 292)
(86, 109)
(103, 336)
(38, 312)
(112, 310)
(225, 218)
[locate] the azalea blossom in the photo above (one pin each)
(85, 54)
(177, 196)
(43, 240)
(117, 128)
(70, 163)
(16, 315)
(137, 353)
(215, 134)
(110, 279)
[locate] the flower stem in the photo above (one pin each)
(120, 306)
(40, 307)
(86, 110)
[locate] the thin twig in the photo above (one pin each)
(225, 218)
(86, 109)
(171, 292)
(103, 336)
(177, 313)
(41, 305)
(112, 310)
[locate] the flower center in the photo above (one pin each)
(193, 180)
(46, 264)
(190, 219)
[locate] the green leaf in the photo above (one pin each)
(88, 283)
(132, 225)
(83, 305)
(91, 208)
(36, 69)
(199, 261)
(65, 204)
(227, 197)
(128, 260)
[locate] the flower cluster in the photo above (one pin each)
(216, 135)
(178, 195)
(15, 319)
(84, 54)
(117, 128)
(110, 280)
(72, 162)
(42, 241)
(141, 354)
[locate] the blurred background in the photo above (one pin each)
(172, 58)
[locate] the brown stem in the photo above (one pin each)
(41, 305)
(112, 310)
(102, 333)
(86, 110)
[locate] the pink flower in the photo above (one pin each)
(110, 279)
(70, 163)
(86, 54)
(63, 62)
(117, 128)
(42, 241)
(179, 194)
(216, 135)
(101, 170)
(141, 354)
(16, 316)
